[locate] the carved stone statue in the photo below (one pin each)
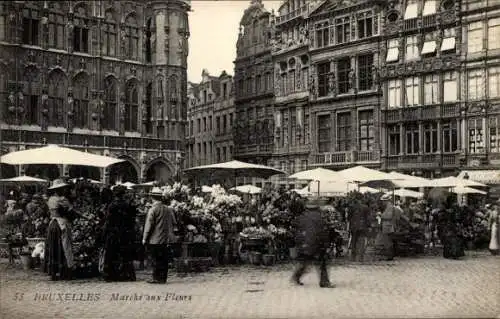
(331, 82)
(312, 85)
(352, 78)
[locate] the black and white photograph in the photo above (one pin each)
(249, 159)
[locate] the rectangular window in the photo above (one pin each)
(204, 124)
(450, 92)
(3, 27)
(293, 128)
(218, 159)
(217, 123)
(476, 136)
(494, 82)
(412, 91)
(450, 137)
(284, 83)
(430, 138)
(322, 34)
(80, 39)
(210, 123)
(258, 86)
(30, 30)
(365, 24)
(344, 129)
(56, 31)
(494, 34)
(32, 109)
(343, 69)
(411, 51)
(412, 139)
(323, 72)
(475, 37)
(494, 126)
(392, 51)
(394, 140)
(475, 81)
(324, 134)
(411, 11)
(291, 81)
(366, 130)
(342, 30)
(365, 72)
(198, 126)
(394, 96)
(429, 7)
(109, 41)
(224, 124)
(431, 89)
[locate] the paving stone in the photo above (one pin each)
(404, 288)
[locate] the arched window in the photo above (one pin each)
(31, 94)
(131, 106)
(149, 49)
(57, 97)
(109, 34)
(110, 100)
(131, 38)
(81, 29)
(81, 100)
(56, 26)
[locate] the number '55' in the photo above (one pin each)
(19, 296)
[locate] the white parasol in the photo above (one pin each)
(455, 182)
(410, 181)
(461, 190)
(407, 193)
(54, 154)
(23, 179)
(247, 189)
(317, 174)
(234, 168)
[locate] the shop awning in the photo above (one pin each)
(429, 7)
(429, 47)
(482, 176)
(448, 44)
(411, 11)
(392, 55)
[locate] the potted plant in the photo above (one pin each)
(26, 259)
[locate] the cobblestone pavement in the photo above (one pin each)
(418, 287)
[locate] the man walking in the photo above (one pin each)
(312, 241)
(158, 233)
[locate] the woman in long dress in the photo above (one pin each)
(58, 261)
(119, 238)
(494, 230)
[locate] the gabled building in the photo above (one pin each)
(211, 118)
(254, 88)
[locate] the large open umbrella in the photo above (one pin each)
(234, 168)
(462, 190)
(54, 154)
(408, 193)
(24, 179)
(317, 174)
(409, 181)
(455, 182)
(247, 189)
(361, 174)
(336, 188)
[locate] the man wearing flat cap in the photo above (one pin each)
(312, 241)
(158, 233)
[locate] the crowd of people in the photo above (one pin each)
(132, 225)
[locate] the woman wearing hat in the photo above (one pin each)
(58, 251)
(494, 230)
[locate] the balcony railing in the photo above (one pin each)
(71, 139)
(293, 14)
(429, 161)
(422, 112)
(346, 158)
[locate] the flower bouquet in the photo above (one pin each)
(256, 233)
(85, 250)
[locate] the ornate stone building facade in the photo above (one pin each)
(105, 76)
(211, 119)
(253, 78)
(291, 60)
(345, 98)
(441, 84)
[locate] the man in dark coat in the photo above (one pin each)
(359, 225)
(312, 241)
(158, 233)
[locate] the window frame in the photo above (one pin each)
(32, 35)
(366, 124)
(365, 72)
(344, 129)
(431, 81)
(412, 84)
(343, 80)
(324, 133)
(342, 30)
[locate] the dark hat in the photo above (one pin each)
(58, 183)
(119, 190)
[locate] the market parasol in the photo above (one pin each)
(337, 188)
(409, 181)
(234, 168)
(454, 182)
(361, 174)
(461, 190)
(54, 154)
(247, 189)
(24, 179)
(407, 193)
(128, 185)
(317, 174)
